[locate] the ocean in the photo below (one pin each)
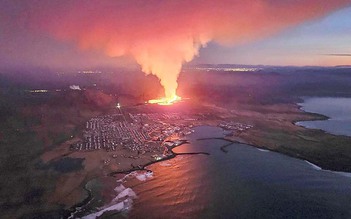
(245, 182)
(337, 109)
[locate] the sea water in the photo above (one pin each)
(337, 109)
(243, 183)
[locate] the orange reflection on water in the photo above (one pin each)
(178, 185)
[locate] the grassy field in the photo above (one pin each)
(274, 129)
(38, 129)
(30, 126)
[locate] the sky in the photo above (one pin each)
(321, 42)
(143, 33)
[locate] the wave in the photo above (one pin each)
(122, 202)
(314, 166)
(124, 199)
(144, 176)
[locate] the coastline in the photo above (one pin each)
(329, 119)
(79, 207)
(262, 149)
(140, 163)
(286, 137)
(231, 142)
(316, 167)
(173, 154)
(167, 157)
(315, 117)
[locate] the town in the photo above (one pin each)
(232, 128)
(137, 132)
(143, 132)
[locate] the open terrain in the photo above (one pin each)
(41, 171)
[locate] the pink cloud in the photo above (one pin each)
(161, 35)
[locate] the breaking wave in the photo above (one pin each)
(123, 201)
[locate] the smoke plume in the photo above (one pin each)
(161, 35)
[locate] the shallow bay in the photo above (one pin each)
(337, 109)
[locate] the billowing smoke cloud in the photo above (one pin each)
(161, 35)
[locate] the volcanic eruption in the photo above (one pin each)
(162, 35)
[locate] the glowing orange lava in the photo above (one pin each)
(166, 100)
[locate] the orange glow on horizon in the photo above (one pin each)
(163, 35)
(166, 100)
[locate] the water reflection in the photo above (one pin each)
(174, 192)
(243, 183)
